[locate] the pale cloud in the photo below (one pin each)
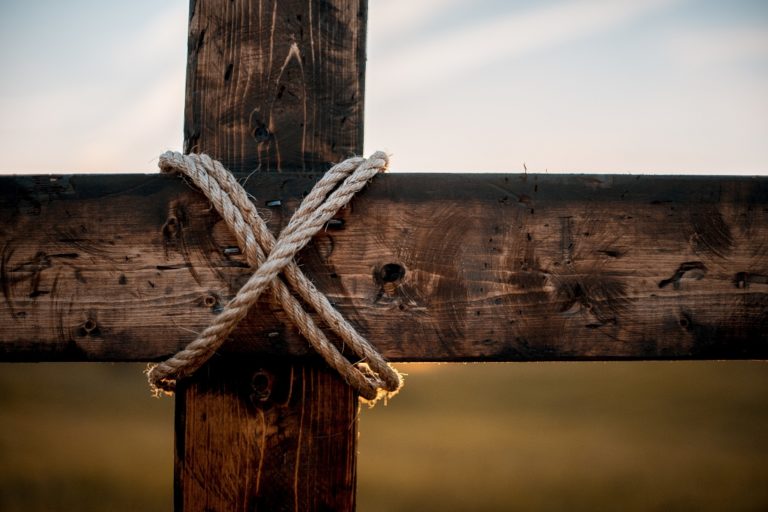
(135, 135)
(717, 46)
(395, 19)
(151, 121)
(499, 37)
(117, 116)
(162, 38)
(649, 92)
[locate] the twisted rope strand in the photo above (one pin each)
(200, 169)
(232, 203)
(390, 379)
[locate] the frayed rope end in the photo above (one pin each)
(382, 394)
(163, 387)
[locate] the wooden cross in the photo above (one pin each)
(445, 267)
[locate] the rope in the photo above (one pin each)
(371, 376)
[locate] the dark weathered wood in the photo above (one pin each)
(271, 85)
(275, 85)
(265, 436)
(496, 267)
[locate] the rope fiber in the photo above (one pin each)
(370, 375)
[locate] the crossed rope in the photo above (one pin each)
(371, 375)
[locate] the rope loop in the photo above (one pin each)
(370, 374)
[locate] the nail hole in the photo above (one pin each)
(261, 134)
(391, 272)
(171, 226)
(89, 325)
(335, 224)
(261, 383)
(209, 301)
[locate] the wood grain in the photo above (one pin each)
(265, 436)
(272, 85)
(275, 85)
(495, 267)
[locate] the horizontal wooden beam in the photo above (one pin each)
(438, 267)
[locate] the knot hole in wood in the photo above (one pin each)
(261, 384)
(391, 273)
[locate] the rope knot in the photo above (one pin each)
(370, 375)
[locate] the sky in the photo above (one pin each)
(616, 86)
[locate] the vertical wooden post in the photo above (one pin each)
(271, 85)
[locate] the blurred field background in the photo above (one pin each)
(492, 437)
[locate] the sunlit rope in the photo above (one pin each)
(370, 374)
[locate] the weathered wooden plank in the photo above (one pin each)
(271, 85)
(430, 267)
(275, 85)
(265, 436)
